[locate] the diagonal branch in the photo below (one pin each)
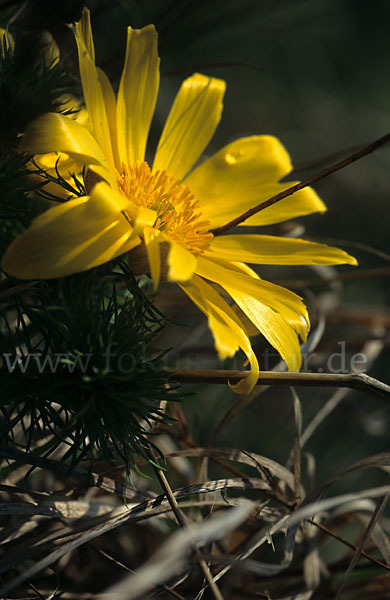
(299, 186)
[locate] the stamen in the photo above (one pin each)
(178, 213)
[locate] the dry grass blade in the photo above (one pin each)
(173, 555)
(378, 536)
(246, 458)
(92, 479)
(315, 335)
(239, 405)
(309, 509)
(58, 538)
(355, 559)
(64, 548)
(377, 461)
(237, 483)
(116, 519)
(55, 509)
(264, 536)
(324, 412)
(15, 490)
(306, 511)
(371, 351)
(297, 446)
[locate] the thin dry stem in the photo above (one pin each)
(342, 540)
(181, 519)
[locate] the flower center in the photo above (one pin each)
(178, 213)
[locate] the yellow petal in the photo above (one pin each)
(228, 331)
(72, 237)
(243, 174)
(107, 202)
(249, 328)
(83, 31)
(304, 202)
(7, 44)
(91, 82)
(273, 326)
(298, 320)
(272, 250)
(275, 296)
(137, 93)
(152, 243)
(54, 132)
(271, 308)
(192, 121)
(203, 295)
(181, 263)
(110, 104)
(142, 217)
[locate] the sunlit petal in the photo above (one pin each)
(275, 328)
(72, 237)
(92, 89)
(181, 263)
(192, 121)
(273, 295)
(54, 132)
(245, 173)
(110, 104)
(228, 331)
(272, 250)
(152, 243)
(108, 201)
(296, 315)
(268, 306)
(142, 217)
(137, 93)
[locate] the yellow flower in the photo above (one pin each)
(167, 210)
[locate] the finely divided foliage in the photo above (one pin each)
(77, 367)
